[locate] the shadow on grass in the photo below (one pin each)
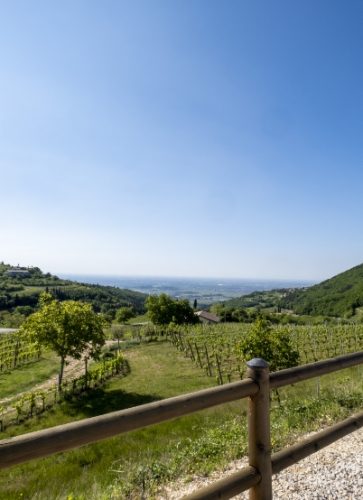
(99, 401)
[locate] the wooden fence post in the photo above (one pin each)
(259, 441)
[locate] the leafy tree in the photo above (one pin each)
(69, 328)
(274, 346)
(160, 309)
(163, 309)
(26, 310)
(240, 315)
(195, 304)
(123, 314)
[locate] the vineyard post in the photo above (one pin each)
(259, 441)
(191, 350)
(198, 355)
(208, 362)
(181, 342)
(16, 350)
(220, 378)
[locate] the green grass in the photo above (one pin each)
(141, 318)
(157, 371)
(31, 290)
(26, 376)
(136, 464)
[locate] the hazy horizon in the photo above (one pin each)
(176, 277)
(206, 290)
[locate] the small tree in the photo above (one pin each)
(69, 328)
(123, 314)
(274, 346)
(163, 310)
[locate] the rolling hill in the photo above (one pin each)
(260, 299)
(339, 296)
(20, 289)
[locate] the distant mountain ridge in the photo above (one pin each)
(340, 296)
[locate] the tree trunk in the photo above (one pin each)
(60, 376)
(86, 372)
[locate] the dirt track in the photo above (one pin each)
(73, 369)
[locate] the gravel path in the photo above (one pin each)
(335, 472)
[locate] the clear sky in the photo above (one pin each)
(182, 138)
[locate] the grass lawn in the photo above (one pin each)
(134, 465)
(26, 376)
(141, 318)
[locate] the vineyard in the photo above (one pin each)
(217, 348)
(17, 350)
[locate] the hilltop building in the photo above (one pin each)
(207, 317)
(17, 272)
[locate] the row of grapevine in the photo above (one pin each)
(217, 348)
(37, 401)
(16, 350)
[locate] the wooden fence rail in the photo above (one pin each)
(262, 465)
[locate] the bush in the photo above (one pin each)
(274, 346)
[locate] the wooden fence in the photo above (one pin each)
(257, 476)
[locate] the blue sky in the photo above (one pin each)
(177, 138)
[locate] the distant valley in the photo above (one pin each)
(205, 290)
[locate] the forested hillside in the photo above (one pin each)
(341, 296)
(263, 299)
(20, 289)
